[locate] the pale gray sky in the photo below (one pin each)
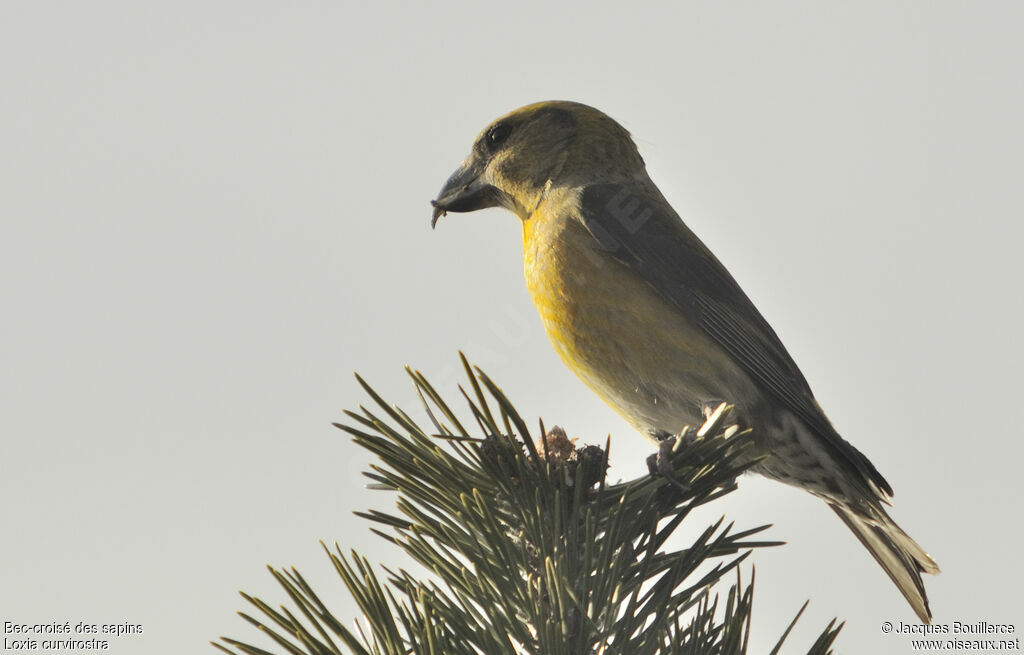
(214, 212)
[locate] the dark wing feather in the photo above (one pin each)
(639, 228)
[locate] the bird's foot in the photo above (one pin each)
(660, 463)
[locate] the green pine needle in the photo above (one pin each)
(532, 551)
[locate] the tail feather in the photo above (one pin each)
(899, 555)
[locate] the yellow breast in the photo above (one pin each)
(613, 329)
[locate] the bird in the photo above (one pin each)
(646, 316)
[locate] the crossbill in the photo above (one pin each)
(639, 308)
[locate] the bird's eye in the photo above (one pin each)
(497, 134)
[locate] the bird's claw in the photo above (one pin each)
(660, 463)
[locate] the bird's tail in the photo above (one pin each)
(901, 557)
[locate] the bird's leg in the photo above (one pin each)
(660, 463)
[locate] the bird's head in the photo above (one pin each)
(519, 157)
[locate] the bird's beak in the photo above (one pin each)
(465, 191)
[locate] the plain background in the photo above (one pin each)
(212, 213)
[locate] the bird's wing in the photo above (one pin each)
(637, 226)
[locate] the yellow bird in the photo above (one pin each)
(639, 308)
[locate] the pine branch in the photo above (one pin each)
(531, 549)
